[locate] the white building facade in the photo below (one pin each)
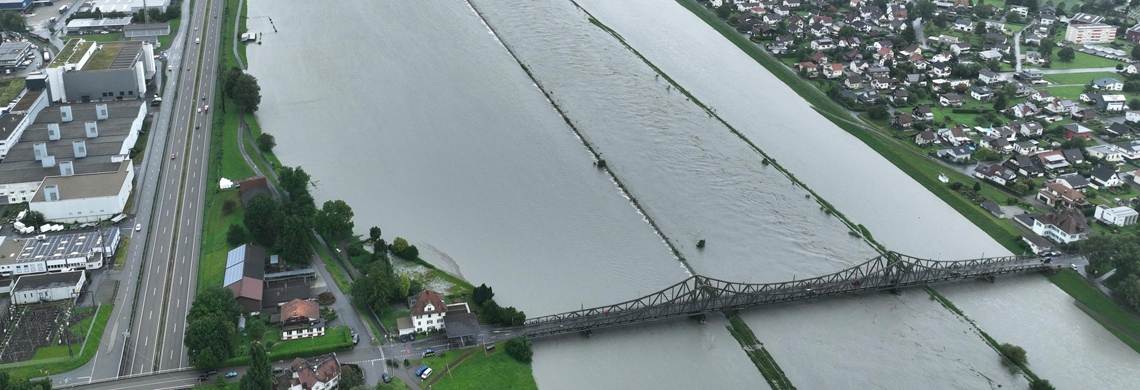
(1119, 216)
(1090, 33)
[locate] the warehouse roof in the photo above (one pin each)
(47, 281)
(92, 185)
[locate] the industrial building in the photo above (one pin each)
(16, 5)
(74, 140)
(86, 71)
(128, 6)
(71, 198)
(137, 32)
(55, 253)
(16, 117)
(51, 287)
(95, 26)
(14, 53)
(1090, 33)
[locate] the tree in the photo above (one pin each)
(263, 218)
(246, 93)
(1129, 290)
(846, 32)
(1134, 103)
(259, 376)
(228, 206)
(1136, 52)
(980, 28)
(482, 294)
(1013, 354)
(977, 186)
(725, 10)
(293, 180)
(878, 112)
(293, 243)
(1066, 54)
(908, 33)
(1041, 384)
(34, 219)
(231, 81)
(217, 300)
(235, 236)
(265, 141)
(519, 349)
(334, 220)
(13, 21)
(925, 9)
(1001, 102)
(1046, 47)
(374, 233)
(350, 378)
(401, 248)
(211, 333)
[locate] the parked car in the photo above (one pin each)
(278, 370)
(211, 372)
(231, 374)
(387, 378)
(138, 227)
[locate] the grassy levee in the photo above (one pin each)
(55, 359)
(1116, 316)
(911, 162)
(757, 353)
(989, 340)
(477, 370)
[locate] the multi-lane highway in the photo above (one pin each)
(171, 256)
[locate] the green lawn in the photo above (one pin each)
(212, 264)
(101, 37)
(54, 360)
(10, 88)
(1080, 78)
(480, 371)
(335, 339)
(1082, 60)
(1073, 93)
(388, 318)
(1078, 288)
(164, 41)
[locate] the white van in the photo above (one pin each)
(197, 40)
(426, 374)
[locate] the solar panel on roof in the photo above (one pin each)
(236, 256)
(233, 275)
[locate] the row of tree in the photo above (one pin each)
(1119, 251)
(210, 326)
(8, 382)
(154, 15)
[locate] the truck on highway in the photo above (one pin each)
(63, 9)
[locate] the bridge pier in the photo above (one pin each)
(698, 317)
(991, 279)
(587, 333)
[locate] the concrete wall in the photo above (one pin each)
(94, 83)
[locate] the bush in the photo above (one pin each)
(1041, 384)
(228, 206)
(519, 349)
(1013, 354)
(236, 235)
(266, 142)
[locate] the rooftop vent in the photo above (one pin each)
(48, 161)
(66, 168)
(51, 193)
(80, 148)
(65, 114)
(101, 111)
(92, 129)
(53, 131)
(40, 149)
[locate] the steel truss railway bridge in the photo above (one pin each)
(699, 295)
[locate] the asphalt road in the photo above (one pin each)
(168, 277)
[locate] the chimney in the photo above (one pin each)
(48, 162)
(40, 149)
(80, 148)
(65, 114)
(51, 193)
(101, 111)
(92, 129)
(66, 168)
(53, 131)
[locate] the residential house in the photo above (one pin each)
(1104, 177)
(1047, 20)
(959, 48)
(1039, 245)
(990, 77)
(820, 58)
(923, 113)
(833, 71)
(853, 82)
(996, 173)
(1025, 148)
(1025, 166)
(868, 97)
(1133, 34)
(875, 71)
(1072, 180)
(1029, 75)
(428, 311)
(1118, 130)
(1109, 153)
(1111, 103)
(319, 373)
(958, 154)
(981, 93)
(1074, 156)
(999, 144)
(822, 44)
(1052, 160)
(899, 97)
(879, 45)
(944, 56)
(940, 69)
(1042, 96)
(954, 136)
(301, 319)
(1065, 226)
(1084, 114)
(963, 25)
(808, 69)
(1059, 106)
(912, 49)
(987, 55)
(1119, 216)
(858, 66)
(882, 83)
(1059, 196)
(993, 208)
(1108, 84)
(792, 3)
(1136, 176)
(782, 11)
(903, 121)
(914, 79)
(1020, 10)
(1075, 130)
(1024, 110)
(819, 30)
(1034, 58)
(1132, 116)
(950, 100)
(926, 137)
(1130, 150)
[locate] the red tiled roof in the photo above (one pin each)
(298, 308)
(423, 298)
